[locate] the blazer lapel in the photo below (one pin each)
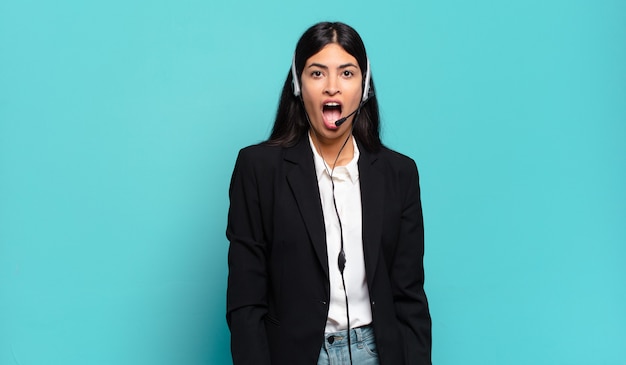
(372, 195)
(302, 180)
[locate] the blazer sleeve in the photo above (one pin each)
(407, 276)
(246, 296)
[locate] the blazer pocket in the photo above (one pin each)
(272, 320)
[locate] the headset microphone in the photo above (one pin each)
(340, 121)
(343, 120)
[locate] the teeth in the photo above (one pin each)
(331, 104)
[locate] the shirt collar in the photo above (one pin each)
(321, 169)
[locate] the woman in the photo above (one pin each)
(325, 224)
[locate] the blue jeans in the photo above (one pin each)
(335, 348)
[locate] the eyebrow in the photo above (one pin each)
(345, 65)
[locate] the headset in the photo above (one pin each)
(367, 94)
(297, 89)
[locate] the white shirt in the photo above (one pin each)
(348, 199)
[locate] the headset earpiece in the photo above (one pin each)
(294, 78)
(366, 83)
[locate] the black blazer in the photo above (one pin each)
(278, 287)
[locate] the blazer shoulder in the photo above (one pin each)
(397, 160)
(260, 149)
(259, 155)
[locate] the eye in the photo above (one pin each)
(316, 74)
(347, 74)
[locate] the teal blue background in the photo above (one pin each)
(120, 123)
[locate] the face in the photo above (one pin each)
(331, 89)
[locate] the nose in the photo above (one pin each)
(332, 86)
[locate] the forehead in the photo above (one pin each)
(332, 55)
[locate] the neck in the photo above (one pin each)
(334, 152)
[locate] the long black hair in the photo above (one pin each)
(291, 121)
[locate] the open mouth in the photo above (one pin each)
(331, 111)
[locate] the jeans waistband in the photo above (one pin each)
(357, 334)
